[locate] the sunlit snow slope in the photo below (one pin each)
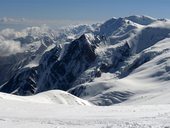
(26, 114)
(49, 97)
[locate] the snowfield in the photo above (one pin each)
(40, 112)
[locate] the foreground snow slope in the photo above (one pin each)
(24, 114)
(49, 97)
(58, 109)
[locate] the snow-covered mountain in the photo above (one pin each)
(120, 60)
(21, 49)
(31, 50)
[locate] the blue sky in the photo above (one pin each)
(83, 10)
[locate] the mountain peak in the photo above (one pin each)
(142, 20)
(117, 27)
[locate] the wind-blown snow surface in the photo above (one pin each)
(44, 112)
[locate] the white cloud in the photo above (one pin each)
(9, 47)
(7, 44)
(162, 24)
(9, 34)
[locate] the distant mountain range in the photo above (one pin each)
(120, 60)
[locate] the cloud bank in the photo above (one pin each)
(9, 47)
(7, 44)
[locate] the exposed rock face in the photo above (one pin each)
(58, 68)
(68, 65)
